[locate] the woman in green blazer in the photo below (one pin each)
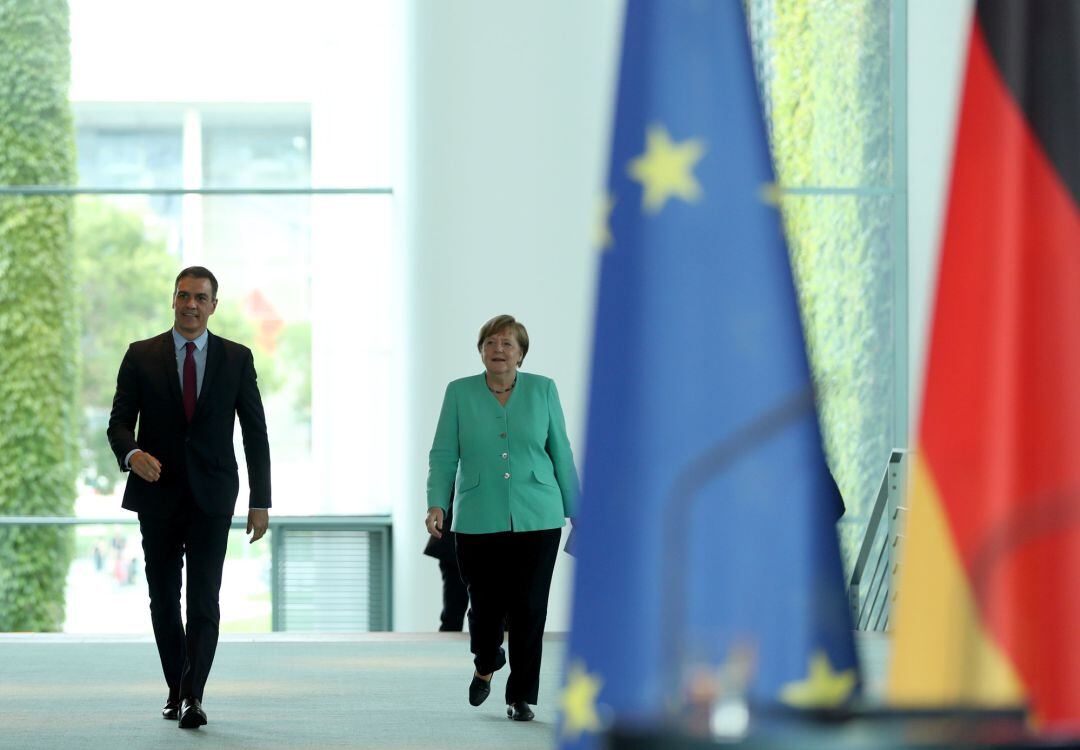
(502, 437)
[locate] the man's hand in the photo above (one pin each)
(434, 522)
(145, 466)
(258, 522)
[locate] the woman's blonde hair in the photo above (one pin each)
(501, 323)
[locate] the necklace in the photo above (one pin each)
(504, 390)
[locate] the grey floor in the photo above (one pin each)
(368, 691)
(385, 691)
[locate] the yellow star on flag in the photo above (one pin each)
(822, 688)
(579, 702)
(602, 238)
(665, 170)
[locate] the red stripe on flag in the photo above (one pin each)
(1001, 410)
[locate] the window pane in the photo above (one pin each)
(128, 155)
(207, 68)
(307, 282)
(106, 585)
(239, 155)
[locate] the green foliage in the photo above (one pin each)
(824, 65)
(124, 275)
(295, 352)
(38, 318)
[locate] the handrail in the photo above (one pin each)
(68, 190)
(237, 521)
(378, 587)
(871, 589)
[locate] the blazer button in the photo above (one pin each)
(506, 475)
(502, 436)
(505, 456)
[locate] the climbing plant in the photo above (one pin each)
(38, 319)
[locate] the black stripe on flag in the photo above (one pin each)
(1036, 45)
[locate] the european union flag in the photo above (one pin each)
(706, 536)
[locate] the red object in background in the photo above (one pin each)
(268, 324)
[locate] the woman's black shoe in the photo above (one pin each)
(478, 690)
(519, 711)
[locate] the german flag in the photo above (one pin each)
(989, 592)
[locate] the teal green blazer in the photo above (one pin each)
(514, 467)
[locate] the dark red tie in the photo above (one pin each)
(189, 381)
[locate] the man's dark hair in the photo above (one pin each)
(196, 272)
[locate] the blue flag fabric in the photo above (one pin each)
(706, 531)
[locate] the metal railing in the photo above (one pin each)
(872, 588)
(327, 573)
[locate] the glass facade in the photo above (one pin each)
(264, 157)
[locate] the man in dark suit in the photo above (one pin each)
(185, 388)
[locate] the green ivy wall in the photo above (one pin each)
(38, 318)
(824, 66)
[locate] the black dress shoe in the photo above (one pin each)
(480, 689)
(171, 710)
(192, 714)
(519, 711)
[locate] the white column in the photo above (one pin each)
(355, 282)
(937, 53)
(191, 206)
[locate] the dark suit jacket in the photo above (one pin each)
(199, 455)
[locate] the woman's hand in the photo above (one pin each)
(434, 522)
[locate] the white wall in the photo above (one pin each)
(506, 109)
(937, 52)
